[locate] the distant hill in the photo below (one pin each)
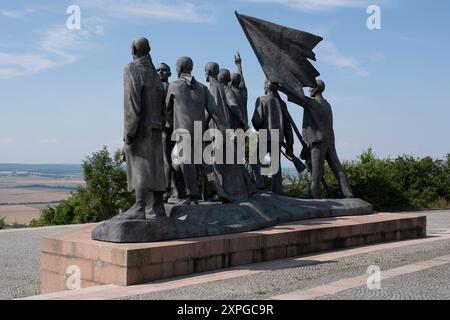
(44, 169)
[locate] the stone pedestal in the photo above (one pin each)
(129, 264)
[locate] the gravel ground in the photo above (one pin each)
(271, 283)
(20, 261)
(20, 264)
(430, 284)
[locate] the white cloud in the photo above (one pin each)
(160, 10)
(318, 5)
(55, 46)
(11, 13)
(50, 142)
(329, 54)
(7, 141)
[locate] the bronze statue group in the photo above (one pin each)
(154, 109)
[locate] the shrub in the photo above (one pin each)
(391, 184)
(2, 223)
(105, 193)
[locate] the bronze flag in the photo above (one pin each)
(282, 52)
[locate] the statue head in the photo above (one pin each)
(184, 66)
(140, 47)
(236, 80)
(269, 87)
(211, 70)
(164, 72)
(224, 76)
(317, 90)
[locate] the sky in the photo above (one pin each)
(61, 90)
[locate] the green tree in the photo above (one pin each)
(402, 183)
(105, 193)
(2, 223)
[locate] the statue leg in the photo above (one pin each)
(190, 175)
(318, 151)
(137, 212)
(213, 183)
(277, 179)
(336, 166)
(259, 181)
(256, 168)
(167, 158)
(155, 205)
(177, 184)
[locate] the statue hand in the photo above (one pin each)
(237, 58)
(129, 141)
(290, 150)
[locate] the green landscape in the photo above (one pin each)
(392, 184)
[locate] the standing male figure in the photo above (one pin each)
(189, 100)
(270, 115)
(318, 133)
(144, 108)
(231, 175)
(239, 88)
(173, 177)
(236, 116)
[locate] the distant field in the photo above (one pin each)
(30, 196)
(26, 189)
(19, 214)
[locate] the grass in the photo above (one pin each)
(2, 223)
(440, 203)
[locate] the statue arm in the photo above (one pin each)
(169, 108)
(234, 105)
(238, 61)
(215, 112)
(257, 119)
(132, 101)
(298, 97)
(288, 132)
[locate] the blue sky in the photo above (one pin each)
(61, 91)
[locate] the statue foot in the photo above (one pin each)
(135, 213)
(156, 214)
(191, 200)
(260, 185)
(220, 193)
(174, 199)
(214, 198)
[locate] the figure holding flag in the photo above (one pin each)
(283, 54)
(318, 134)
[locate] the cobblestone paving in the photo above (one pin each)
(20, 261)
(430, 284)
(277, 282)
(20, 264)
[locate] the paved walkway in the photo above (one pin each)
(20, 261)
(416, 269)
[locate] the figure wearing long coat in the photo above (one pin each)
(269, 114)
(190, 101)
(144, 107)
(231, 175)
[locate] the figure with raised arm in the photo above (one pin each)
(318, 133)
